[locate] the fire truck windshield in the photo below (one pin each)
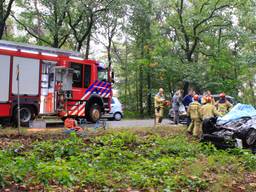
(102, 74)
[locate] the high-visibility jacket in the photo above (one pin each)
(224, 107)
(208, 111)
(204, 98)
(194, 110)
(159, 101)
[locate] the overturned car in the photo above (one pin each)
(236, 129)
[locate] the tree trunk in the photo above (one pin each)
(252, 92)
(141, 90)
(137, 91)
(149, 93)
(2, 28)
(87, 53)
(126, 73)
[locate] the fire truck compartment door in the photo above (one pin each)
(28, 76)
(4, 77)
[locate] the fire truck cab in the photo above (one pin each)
(51, 81)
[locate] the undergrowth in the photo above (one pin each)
(122, 161)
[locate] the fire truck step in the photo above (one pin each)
(45, 123)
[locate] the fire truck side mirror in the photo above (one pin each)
(113, 76)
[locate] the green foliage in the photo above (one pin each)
(121, 160)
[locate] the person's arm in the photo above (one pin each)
(184, 101)
(229, 105)
(188, 112)
(216, 112)
(216, 104)
(158, 99)
(199, 112)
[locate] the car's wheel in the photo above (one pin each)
(94, 113)
(118, 116)
(26, 115)
(209, 126)
(250, 137)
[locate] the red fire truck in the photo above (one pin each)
(51, 82)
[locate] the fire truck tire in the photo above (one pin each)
(94, 112)
(26, 114)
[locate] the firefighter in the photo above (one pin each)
(223, 105)
(209, 110)
(194, 113)
(206, 95)
(159, 106)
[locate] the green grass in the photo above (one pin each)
(161, 159)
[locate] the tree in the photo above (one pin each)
(5, 11)
(51, 19)
(83, 16)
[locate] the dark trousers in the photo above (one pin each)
(176, 117)
(188, 120)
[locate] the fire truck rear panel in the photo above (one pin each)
(28, 78)
(5, 66)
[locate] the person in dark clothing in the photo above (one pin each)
(187, 100)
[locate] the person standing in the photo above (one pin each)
(159, 106)
(207, 94)
(176, 102)
(195, 127)
(187, 100)
(209, 110)
(223, 105)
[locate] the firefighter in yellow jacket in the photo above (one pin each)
(194, 112)
(159, 106)
(223, 105)
(206, 95)
(209, 110)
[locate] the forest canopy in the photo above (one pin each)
(209, 44)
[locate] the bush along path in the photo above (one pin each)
(125, 161)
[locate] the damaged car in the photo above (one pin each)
(236, 129)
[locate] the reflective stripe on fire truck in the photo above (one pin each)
(101, 88)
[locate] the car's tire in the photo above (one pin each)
(250, 137)
(26, 115)
(117, 116)
(209, 126)
(94, 113)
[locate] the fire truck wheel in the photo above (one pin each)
(94, 113)
(26, 115)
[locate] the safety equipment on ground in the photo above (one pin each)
(72, 124)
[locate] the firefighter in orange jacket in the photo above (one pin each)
(194, 112)
(223, 105)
